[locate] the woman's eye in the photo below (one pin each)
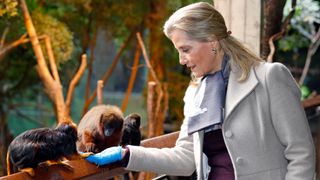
(185, 50)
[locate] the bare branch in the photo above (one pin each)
(302, 31)
(107, 75)
(134, 71)
(14, 44)
(44, 72)
(52, 61)
(75, 81)
(146, 58)
(278, 35)
(3, 38)
(90, 62)
(315, 42)
(154, 76)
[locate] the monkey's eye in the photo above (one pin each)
(108, 132)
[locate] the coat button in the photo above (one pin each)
(228, 134)
(239, 160)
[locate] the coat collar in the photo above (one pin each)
(237, 91)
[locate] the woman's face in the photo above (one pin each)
(196, 55)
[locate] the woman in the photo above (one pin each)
(243, 116)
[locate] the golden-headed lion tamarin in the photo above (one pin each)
(41, 145)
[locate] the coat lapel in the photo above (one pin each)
(237, 91)
(198, 148)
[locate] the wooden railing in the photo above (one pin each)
(85, 170)
(312, 102)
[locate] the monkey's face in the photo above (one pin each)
(134, 120)
(111, 123)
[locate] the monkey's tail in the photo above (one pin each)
(9, 166)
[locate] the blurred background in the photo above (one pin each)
(285, 31)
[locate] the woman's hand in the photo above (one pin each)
(107, 156)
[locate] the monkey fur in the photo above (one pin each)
(131, 136)
(100, 128)
(35, 146)
(131, 130)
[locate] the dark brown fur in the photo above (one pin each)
(100, 128)
(39, 145)
(131, 130)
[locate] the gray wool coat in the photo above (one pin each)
(265, 130)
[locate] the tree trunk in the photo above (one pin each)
(154, 21)
(90, 64)
(52, 88)
(272, 12)
(5, 139)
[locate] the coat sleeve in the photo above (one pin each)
(176, 161)
(290, 123)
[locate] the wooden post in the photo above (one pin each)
(150, 109)
(107, 74)
(100, 92)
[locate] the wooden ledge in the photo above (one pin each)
(85, 170)
(312, 102)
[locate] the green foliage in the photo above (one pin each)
(302, 25)
(305, 92)
(9, 8)
(62, 19)
(120, 17)
(293, 41)
(60, 35)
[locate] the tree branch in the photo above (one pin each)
(282, 32)
(3, 38)
(154, 76)
(74, 82)
(52, 61)
(14, 44)
(108, 73)
(315, 42)
(133, 75)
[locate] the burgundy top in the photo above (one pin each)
(218, 157)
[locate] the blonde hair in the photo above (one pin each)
(202, 22)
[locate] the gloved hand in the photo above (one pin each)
(107, 156)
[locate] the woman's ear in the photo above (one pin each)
(214, 46)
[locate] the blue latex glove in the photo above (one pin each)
(107, 156)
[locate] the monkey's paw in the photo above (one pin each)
(62, 163)
(30, 171)
(91, 147)
(85, 154)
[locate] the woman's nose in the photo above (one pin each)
(182, 60)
